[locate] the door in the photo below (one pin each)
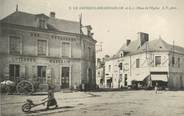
(65, 77)
(90, 76)
(109, 83)
(41, 74)
(181, 80)
(125, 80)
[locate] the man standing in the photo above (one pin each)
(156, 87)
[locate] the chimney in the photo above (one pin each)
(52, 14)
(106, 57)
(128, 42)
(143, 37)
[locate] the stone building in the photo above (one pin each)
(43, 49)
(144, 63)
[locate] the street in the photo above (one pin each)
(116, 103)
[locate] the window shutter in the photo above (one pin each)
(34, 71)
(6, 71)
(48, 75)
(22, 71)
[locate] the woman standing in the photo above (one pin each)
(51, 99)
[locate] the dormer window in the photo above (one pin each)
(121, 55)
(42, 20)
(87, 30)
(42, 23)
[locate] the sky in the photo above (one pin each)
(113, 21)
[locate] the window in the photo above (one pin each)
(14, 71)
(109, 68)
(93, 57)
(120, 77)
(42, 23)
(66, 49)
(99, 73)
(42, 47)
(173, 61)
(41, 73)
(89, 53)
(35, 34)
(137, 63)
(121, 55)
(157, 60)
(120, 66)
(178, 62)
(15, 45)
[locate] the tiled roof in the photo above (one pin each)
(27, 19)
(154, 45)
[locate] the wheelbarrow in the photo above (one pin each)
(29, 104)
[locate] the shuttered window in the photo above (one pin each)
(15, 45)
(42, 47)
(65, 49)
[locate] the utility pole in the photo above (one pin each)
(173, 48)
(80, 21)
(147, 50)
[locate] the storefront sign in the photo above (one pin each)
(22, 59)
(58, 61)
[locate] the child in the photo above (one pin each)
(51, 99)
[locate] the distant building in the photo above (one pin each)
(100, 73)
(43, 49)
(144, 63)
(111, 73)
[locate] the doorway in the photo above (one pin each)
(125, 80)
(90, 76)
(181, 80)
(14, 72)
(41, 74)
(65, 77)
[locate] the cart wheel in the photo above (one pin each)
(26, 107)
(25, 87)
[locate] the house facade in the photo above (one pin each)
(112, 73)
(44, 49)
(145, 63)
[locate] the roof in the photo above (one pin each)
(154, 45)
(27, 19)
(131, 47)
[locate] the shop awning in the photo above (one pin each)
(159, 78)
(141, 77)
